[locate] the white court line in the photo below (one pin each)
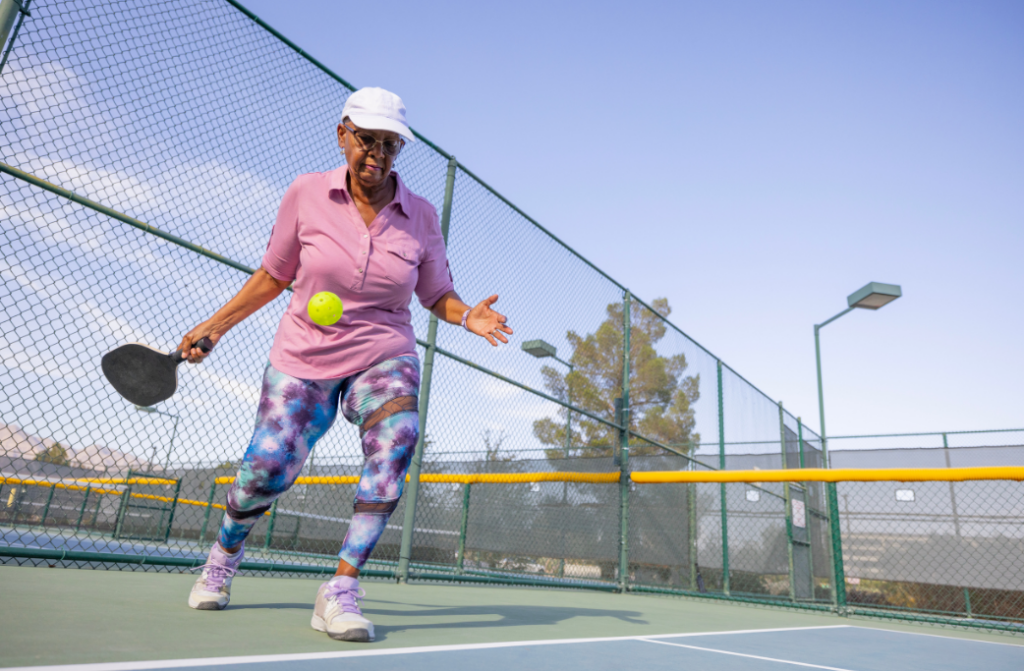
(740, 654)
(307, 656)
(945, 636)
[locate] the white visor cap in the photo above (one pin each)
(373, 108)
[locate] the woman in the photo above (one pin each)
(358, 232)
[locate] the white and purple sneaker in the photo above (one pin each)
(337, 613)
(212, 590)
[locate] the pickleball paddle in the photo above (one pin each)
(144, 375)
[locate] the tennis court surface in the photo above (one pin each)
(139, 620)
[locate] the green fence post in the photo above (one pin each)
(209, 509)
(122, 509)
(46, 508)
(952, 490)
(96, 510)
(81, 511)
(967, 602)
(270, 526)
(691, 508)
(460, 559)
(787, 504)
(174, 507)
(722, 490)
(800, 440)
(839, 575)
(9, 11)
(413, 488)
(624, 451)
(807, 502)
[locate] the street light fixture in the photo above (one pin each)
(174, 433)
(870, 297)
(543, 350)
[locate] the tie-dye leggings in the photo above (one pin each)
(293, 414)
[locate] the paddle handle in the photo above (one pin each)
(205, 345)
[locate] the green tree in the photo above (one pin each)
(54, 454)
(661, 398)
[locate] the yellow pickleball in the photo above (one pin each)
(325, 308)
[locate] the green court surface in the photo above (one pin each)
(68, 616)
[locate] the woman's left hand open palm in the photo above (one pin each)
(488, 323)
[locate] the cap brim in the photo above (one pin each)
(373, 122)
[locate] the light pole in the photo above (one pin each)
(174, 433)
(870, 297)
(542, 350)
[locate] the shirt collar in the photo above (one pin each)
(338, 183)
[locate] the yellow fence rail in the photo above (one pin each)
(836, 475)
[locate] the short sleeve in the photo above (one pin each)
(435, 277)
(281, 259)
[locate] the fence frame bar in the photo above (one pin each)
(413, 487)
(624, 482)
(722, 487)
(460, 553)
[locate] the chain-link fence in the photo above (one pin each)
(146, 147)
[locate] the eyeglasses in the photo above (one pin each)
(368, 142)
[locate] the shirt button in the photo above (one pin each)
(359, 270)
(365, 235)
(364, 253)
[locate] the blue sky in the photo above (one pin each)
(755, 163)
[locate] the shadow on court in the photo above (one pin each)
(485, 616)
(271, 606)
(489, 616)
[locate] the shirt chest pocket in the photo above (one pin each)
(401, 261)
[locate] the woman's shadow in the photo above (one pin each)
(486, 616)
(483, 616)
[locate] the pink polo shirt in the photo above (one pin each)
(321, 243)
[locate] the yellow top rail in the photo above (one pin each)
(462, 478)
(836, 475)
(85, 482)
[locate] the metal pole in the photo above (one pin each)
(807, 502)
(568, 411)
(691, 505)
(9, 11)
(209, 509)
(46, 508)
(170, 450)
(800, 440)
(722, 492)
(96, 510)
(839, 576)
(174, 507)
(460, 559)
(122, 509)
(270, 526)
(568, 446)
(405, 551)
(821, 397)
(952, 491)
(624, 451)
(81, 512)
(787, 504)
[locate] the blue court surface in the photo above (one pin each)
(837, 648)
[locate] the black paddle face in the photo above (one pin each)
(142, 375)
